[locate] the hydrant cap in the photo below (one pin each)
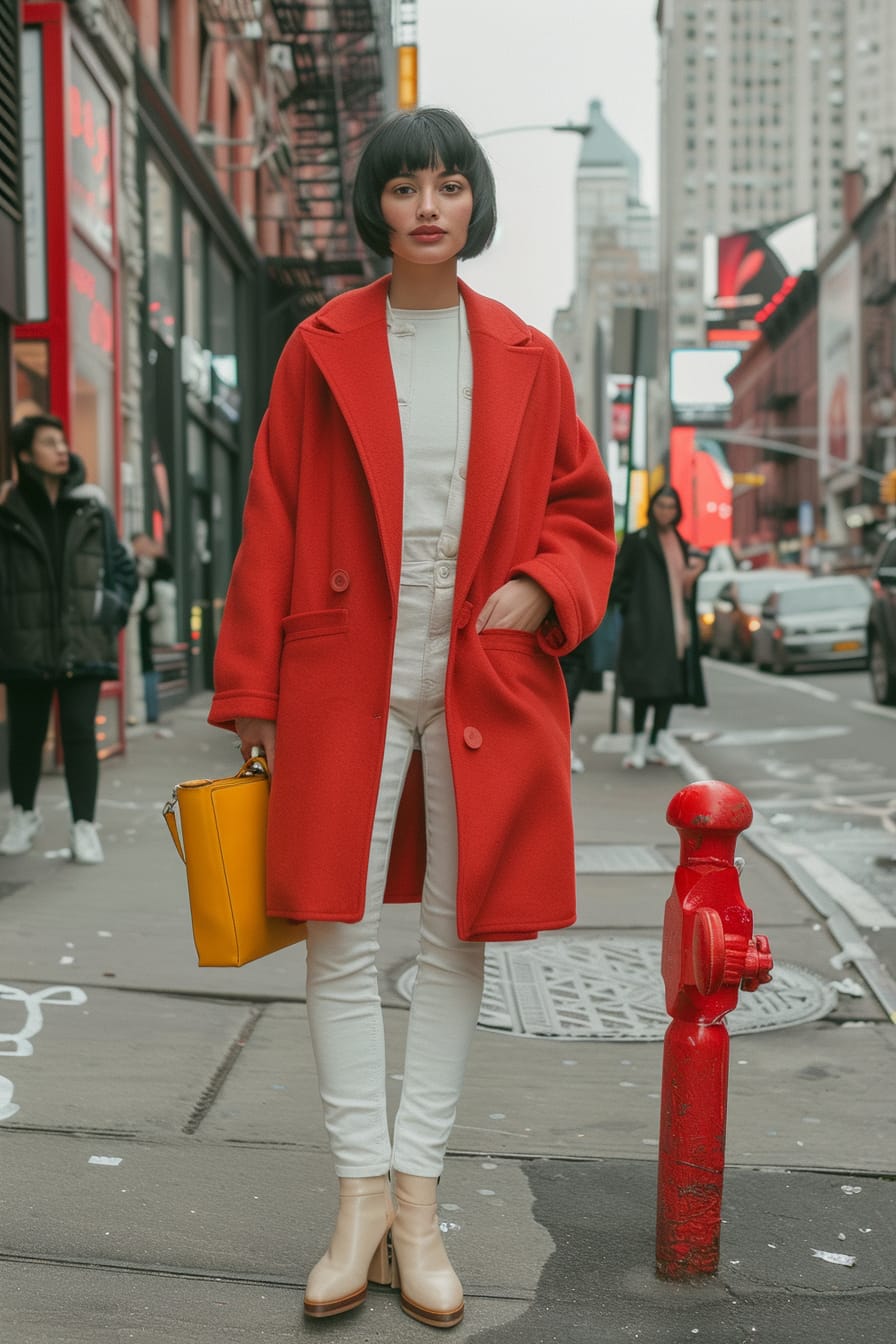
(710, 805)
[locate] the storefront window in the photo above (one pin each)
(90, 123)
(195, 358)
(92, 428)
(33, 176)
(160, 260)
(225, 377)
(32, 378)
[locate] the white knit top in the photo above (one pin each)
(433, 370)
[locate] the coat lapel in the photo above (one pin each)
(505, 362)
(349, 344)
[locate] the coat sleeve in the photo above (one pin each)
(574, 561)
(119, 583)
(624, 575)
(247, 657)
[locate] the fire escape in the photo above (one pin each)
(319, 80)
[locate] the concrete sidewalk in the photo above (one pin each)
(164, 1170)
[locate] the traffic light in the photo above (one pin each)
(888, 488)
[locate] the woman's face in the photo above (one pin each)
(49, 451)
(428, 214)
(665, 511)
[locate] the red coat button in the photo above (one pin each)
(473, 738)
(339, 580)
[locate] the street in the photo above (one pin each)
(165, 1176)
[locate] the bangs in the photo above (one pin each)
(410, 145)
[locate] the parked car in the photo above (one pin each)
(737, 606)
(709, 584)
(823, 621)
(882, 622)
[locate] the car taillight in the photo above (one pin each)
(777, 633)
(708, 618)
(877, 588)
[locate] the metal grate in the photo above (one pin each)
(611, 989)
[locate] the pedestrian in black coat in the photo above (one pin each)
(659, 654)
(66, 584)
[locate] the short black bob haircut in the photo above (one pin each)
(21, 435)
(665, 492)
(408, 142)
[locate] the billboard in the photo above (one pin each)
(839, 374)
(698, 470)
(699, 391)
(747, 274)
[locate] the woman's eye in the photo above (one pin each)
(453, 187)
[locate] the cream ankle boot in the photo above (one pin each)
(358, 1252)
(430, 1290)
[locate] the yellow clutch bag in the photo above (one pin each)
(224, 825)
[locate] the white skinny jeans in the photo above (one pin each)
(344, 1008)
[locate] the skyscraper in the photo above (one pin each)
(763, 106)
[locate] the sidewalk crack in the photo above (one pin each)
(211, 1091)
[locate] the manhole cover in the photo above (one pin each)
(611, 989)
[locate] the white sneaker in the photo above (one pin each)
(23, 827)
(664, 751)
(86, 847)
(577, 764)
(637, 757)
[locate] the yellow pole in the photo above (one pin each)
(404, 28)
(407, 77)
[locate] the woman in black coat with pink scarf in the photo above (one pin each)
(659, 653)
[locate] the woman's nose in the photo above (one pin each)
(427, 204)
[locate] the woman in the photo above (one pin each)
(659, 652)
(428, 527)
(66, 584)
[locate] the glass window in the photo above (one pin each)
(93, 338)
(32, 378)
(161, 260)
(90, 120)
(225, 373)
(195, 358)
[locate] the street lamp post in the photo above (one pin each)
(575, 127)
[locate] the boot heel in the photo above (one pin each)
(380, 1269)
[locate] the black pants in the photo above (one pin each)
(662, 713)
(28, 710)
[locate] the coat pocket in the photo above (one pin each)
(512, 641)
(311, 624)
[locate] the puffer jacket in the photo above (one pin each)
(51, 629)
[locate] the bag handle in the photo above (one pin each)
(256, 765)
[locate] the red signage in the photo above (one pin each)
(90, 121)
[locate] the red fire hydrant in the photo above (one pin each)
(709, 953)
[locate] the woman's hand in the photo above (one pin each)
(520, 604)
(260, 733)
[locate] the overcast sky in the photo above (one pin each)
(521, 62)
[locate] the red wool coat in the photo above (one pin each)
(309, 622)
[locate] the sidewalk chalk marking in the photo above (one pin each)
(62, 996)
(8, 1108)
